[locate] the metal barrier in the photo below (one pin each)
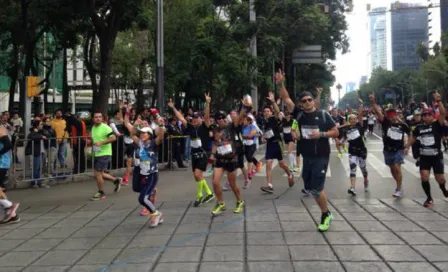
(174, 145)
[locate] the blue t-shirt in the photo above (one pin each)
(5, 159)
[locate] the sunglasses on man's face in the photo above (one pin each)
(309, 100)
(219, 118)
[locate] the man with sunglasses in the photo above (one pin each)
(198, 131)
(394, 131)
(315, 127)
(428, 136)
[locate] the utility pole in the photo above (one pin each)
(54, 86)
(339, 87)
(160, 62)
(253, 51)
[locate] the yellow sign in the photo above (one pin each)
(32, 86)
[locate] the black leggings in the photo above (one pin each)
(249, 151)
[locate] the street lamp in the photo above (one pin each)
(159, 69)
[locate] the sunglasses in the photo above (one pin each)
(309, 100)
(219, 118)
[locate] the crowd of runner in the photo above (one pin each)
(227, 140)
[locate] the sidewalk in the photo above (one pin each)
(272, 235)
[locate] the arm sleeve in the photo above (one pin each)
(6, 144)
(114, 128)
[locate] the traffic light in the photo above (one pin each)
(32, 86)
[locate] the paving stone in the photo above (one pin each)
(382, 238)
(442, 265)
(67, 208)
(305, 238)
(263, 226)
(378, 208)
(26, 216)
(433, 225)
(318, 266)
(128, 229)
(181, 254)
(11, 269)
(355, 253)
(402, 226)
(237, 226)
(176, 267)
(412, 267)
(56, 233)
(419, 238)
(366, 267)
(52, 216)
(24, 233)
(115, 242)
(360, 216)
(46, 269)
(340, 226)
(38, 244)
(368, 226)
(149, 241)
(83, 214)
(344, 238)
(40, 223)
(78, 243)
(95, 206)
(192, 228)
(265, 238)
(264, 253)
(441, 235)
(60, 257)
(87, 232)
(185, 240)
(174, 219)
(222, 267)
(398, 253)
(434, 253)
(41, 209)
(167, 229)
(223, 253)
(88, 268)
(99, 256)
(299, 226)
(312, 253)
(295, 217)
(288, 209)
(388, 216)
(4, 231)
(7, 245)
(270, 266)
(71, 222)
(138, 255)
(263, 217)
(14, 258)
(130, 268)
(368, 201)
(349, 208)
(226, 239)
(425, 217)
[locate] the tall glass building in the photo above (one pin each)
(378, 39)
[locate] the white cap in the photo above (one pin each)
(146, 130)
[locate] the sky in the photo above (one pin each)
(354, 64)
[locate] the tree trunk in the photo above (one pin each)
(65, 88)
(103, 93)
(139, 97)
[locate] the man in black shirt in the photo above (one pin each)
(428, 136)
(198, 130)
(315, 127)
(394, 131)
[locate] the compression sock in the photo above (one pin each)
(199, 189)
(205, 187)
(427, 188)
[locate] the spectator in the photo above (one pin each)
(34, 149)
(59, 125)
(50, 145)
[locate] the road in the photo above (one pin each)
(61, 230)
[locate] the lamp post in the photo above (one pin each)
(160, 61)
(253, 51)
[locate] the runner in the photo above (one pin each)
(274, 145)
(371, 122)
(339, 121)
(198, 131)
(393, 140)
(238, 129)
(226, 161)
(295, 136)
(354, 132)
(288, 123)
(413, 123)
(428, 135)
(102, 139)
(249, 136)
(316, 126)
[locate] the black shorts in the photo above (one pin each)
(101, 163)
(240, 162)
(434, 162)
(274, 151)
(3, 177)
(129, 150)
(370, 127)
(314, 172)
(249, 151)
(227, 165)
(199, 161)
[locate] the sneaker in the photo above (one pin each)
(428, 203)
(11, 212)
(225, 187)
(98, 196)
(208, 198)
(239, 207)
(339, 155)
(366, 186)
(345, 149)
(306, 192)
(198, 202)
(247, 184)
(156, 219)
(251, 174)
(296, 170)
(144, 212)
(291, 180)
(352, 191)
(117, 184)
(125, 182)
(12, 220)
(267, 189)
(219, 208)
(153, 196)
(259, 166)
(325, 222)
(398, 193)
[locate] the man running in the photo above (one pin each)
(274, 145)
(102, 139)
(393, 141)
(198, 132)
(316, 126)
(288, 124)
(428, 135)
(339, 121)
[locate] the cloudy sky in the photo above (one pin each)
(354, 64)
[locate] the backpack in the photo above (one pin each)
(300, 115)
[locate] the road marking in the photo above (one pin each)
(377, 136)
(379, 166)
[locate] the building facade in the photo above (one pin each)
(437, 22)
(378, 38)
(350, 87)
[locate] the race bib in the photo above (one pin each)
(269, 134)
(307, 131)
(395, 134)
(196, 143)
(136, 161)
(287, 130)
(352, 135)
(248, 142)
(145, 167)
(224, 149)
(128, 140)
(427, 140)
(96, 148)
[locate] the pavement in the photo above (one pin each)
(61, 230)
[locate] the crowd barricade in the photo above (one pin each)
(176, 144)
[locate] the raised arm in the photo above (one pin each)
(207, 120)
(442, 110)
(126, 121)
(280, 82)
(275, 107)
(318, 97)
(360, 111)
(160, 135)
(376, 108)
(177, 113)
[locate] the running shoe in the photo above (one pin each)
(156, 219)
(297, 170)
(225, 187)
(125, 181)
(239, 207)
(208, 198)
(117, 184)
(11, 212)
(153, 196)
(12, 220)
(339, 155)
(144, 212)
(325, 222)
(306, 192)
(267, 189)
(199, 202)
(398, 193)
(352, 191)
(251, 174)
(219, 208)
(366, 186)
(291, 180)
(98, 196)
(428, 203)
(247, 184)
(345, 149)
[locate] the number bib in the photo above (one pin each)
(224, 149)
(395, 134)
(96, 148)
(145, 167)
(287, 130)
(196, 143)
(248, 142)
(352, 135)
(269, 134)
(427, 140)
(308, 130)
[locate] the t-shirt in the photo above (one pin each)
(428, 138)
(246, 131)
(393, 135)
(225, 141)
(236, 130)
(355, 139)
(338, 120)
(287, 128)
(272, 129)
(101, 133)
(199, 138)
(311, 122)
(371, 119)
(146, 158)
